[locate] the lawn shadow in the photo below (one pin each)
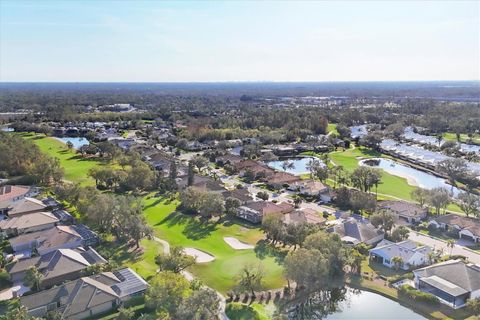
(263, 250)
(194, 229)
(157, 201)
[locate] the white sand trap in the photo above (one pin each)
(200, 256)
(237, 244)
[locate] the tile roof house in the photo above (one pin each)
(241, 194)
(59, 237)
(10, 194)
(468, 228)
(255, 167)
(228, 159)
(87, 296)
(56, 266)
(278, 179)
(411, 254)
(255, 211)
(352, 231)
(410, 212)
(25, 206)
(209, 185)
(303, 216)
(452, 282)
(28, 223)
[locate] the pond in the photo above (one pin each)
(414, 176)
(77, 142)
(299, 165)
(368, 305)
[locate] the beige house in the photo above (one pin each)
(87, 296)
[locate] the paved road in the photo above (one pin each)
(439, 245)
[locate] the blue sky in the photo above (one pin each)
(239, 41)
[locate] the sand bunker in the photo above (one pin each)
(237, 244)
(200, 256)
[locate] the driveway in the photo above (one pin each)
(439, 245)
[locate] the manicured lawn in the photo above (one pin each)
(239, 311)
(332, 127)
(463, 137)
(187, 231)
(391, 185)
(142, 261)
(76, 168)
(394, 186)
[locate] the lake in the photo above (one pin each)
(368, 305)
(77, 142)
(414, 176)
(299, 165)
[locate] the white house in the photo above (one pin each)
(411, 254)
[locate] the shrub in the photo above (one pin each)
(399, 277)
(413, 294)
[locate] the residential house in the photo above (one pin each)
(228, 159)
(56, 266)
(27, 223)
(25, 206)
(58, 237)
(255, 211)
(209, 185)
(411, 254)
(240, 194)
(452, 282)
(303, 216)
(353, 232)
(409, 212)
(9, 194)
(278, 179)
(87, 296)
(468, 228)
(311, 188)
(253, 166)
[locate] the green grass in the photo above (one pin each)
(187, 231)
(76, 167)
(239, 311)
(142, 261)
(391, 185)
(463, 137)
(332, 128)
(394, 186)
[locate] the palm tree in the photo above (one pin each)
(397, 262)
(451, 245)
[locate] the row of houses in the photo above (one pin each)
(62, 252)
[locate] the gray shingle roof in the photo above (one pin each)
(456, 272)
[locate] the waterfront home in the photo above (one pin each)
(407, 211)
(354, 232)
(468, 228)
(27, 223)
(57, 266)
(452, 282)
(25, 206)
(311, 188)
(253, 166)
(280, 179)
(255, 211)
(411, 254)
(87, 296)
